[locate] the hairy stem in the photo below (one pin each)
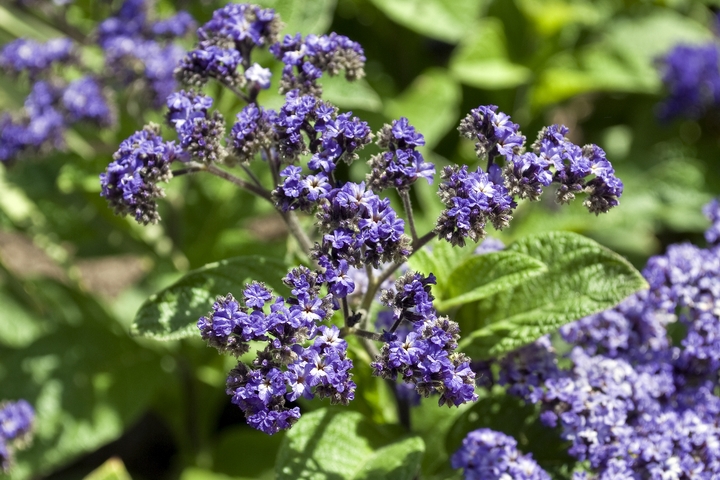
(297, 232)
(405, 196)
(252, 188)
(385, 274)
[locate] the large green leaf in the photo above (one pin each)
(86, 385)
(582, 277)
(481, 276)
(173, 312)
(482, 61)
(439, 258)
(342, 444)
(446, 20)
(431, 104)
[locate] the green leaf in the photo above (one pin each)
(304, 16)
(484, 275)
(173, 312)
(446, 20)
(243, 439)
(439, 258)
(481, 60)
(623, 60)
(346, 94)
(582, 277)
(342, 444)
(112, 469)
(431, 104)
(86, 385)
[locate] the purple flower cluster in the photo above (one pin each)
(35, 58)
(130, 182)
(489, 455)
(138, 50)
(691, 74)
(473, 199)
(574, 165)
(50, 108)
(199, 132)
(332, 137)
(401, 164)
(16, 423)
(252, 132)
(426, 357)
(633, 404)
(360, 228)
(226, 42)
(307, 59)
(287, 368)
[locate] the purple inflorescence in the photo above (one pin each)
(307, 59)
(140, 50)
(225, 44)
(252, 132)
(471, 200)
(426, 357)
(83, 99)
(130, 182)
(474, 198)
(489, 455)
(16, 424)
(35, 58)
(401, 164)
(691, 74)
(200, 133)
(635, 403)
(360, 228)
(287, 368)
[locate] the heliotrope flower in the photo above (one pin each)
(489, 455)
(16, 424)
(130, 182)
(307, 59)
(401, 164)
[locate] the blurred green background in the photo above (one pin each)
(72, 274)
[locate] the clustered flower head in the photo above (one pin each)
(142, 51)
(199, 132)
(489, 455)
(307, 59)
(472, 199)
(401, 164)
(136, 50)
(691, 74)
(29, 56)
(426, 357)
(636, 404)
(302, 358)
(226, 43)
(130, 182)
(16, 424)
(50, 108)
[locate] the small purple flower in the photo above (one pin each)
(489, 455)
(130, 182)
(83, 100)
(200, 133)
(306, 59)
(691, 74)
(26, 55)
(400, 165)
